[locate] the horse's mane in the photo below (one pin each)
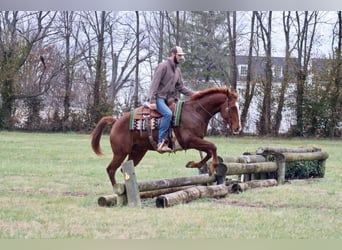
(224, 90)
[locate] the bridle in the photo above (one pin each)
(213, 116)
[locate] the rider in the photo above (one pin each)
(167, 80)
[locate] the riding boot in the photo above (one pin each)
(163, 148)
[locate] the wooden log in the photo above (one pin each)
(248, 168)
(131, 184)
(155, 193)
(253, 158)
(190, 194)
(289, 157)
(175, 182)
(272, 150)
(107, 200)
(240, 187)
(244, 158)
(230, 158)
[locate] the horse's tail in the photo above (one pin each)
(97, 133)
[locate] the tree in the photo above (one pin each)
(266, 31)
(287, 23)
(20, 32)
(136, 86)
(305, 32)
(232, 40)
(336, 99)
(203, 37)
(250, 83)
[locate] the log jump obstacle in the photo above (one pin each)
(266, 161)
(270, 161)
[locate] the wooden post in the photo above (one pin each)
(281, 163)
(131, 184)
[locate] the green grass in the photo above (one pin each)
(50, 183)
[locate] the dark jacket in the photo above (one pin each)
(167, 80)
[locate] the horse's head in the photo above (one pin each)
(231, 113)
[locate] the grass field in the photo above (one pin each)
(50, 183)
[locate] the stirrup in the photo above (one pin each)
(163, 148)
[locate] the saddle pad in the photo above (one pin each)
(140, 123)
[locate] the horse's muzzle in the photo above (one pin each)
(236, 131)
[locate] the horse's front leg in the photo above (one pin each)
(210, 150)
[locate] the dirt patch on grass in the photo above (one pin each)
(251, 204)
(48, 192)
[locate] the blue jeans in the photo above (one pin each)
(166, 112)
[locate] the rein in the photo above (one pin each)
(211, 115)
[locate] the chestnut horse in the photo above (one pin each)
(195, 116)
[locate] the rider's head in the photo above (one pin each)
(177, 54)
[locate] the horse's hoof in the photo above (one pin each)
(190, 164)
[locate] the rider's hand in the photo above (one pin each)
(153, 106)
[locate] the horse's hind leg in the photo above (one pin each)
(113, 166)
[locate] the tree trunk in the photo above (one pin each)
(304, 46)
(161, 37)
(136, 86)
(265, 117)
(285, 80)
(232, 37)
(96, 112)
(7, 95)
(68, 22)
(336, 98)
(250, 84)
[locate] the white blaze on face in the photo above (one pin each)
(238, 110)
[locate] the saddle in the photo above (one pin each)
(144, 118)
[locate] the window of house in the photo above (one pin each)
(277, 71)
(243, 69)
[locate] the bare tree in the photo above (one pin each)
(266, 31)
(250, 83)
(306, 29)
(336, 94)
(137, 49)
(69, 31)
(286, 70)
(125, 44)
(232, 40)
(94, 28)
(19, 34)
